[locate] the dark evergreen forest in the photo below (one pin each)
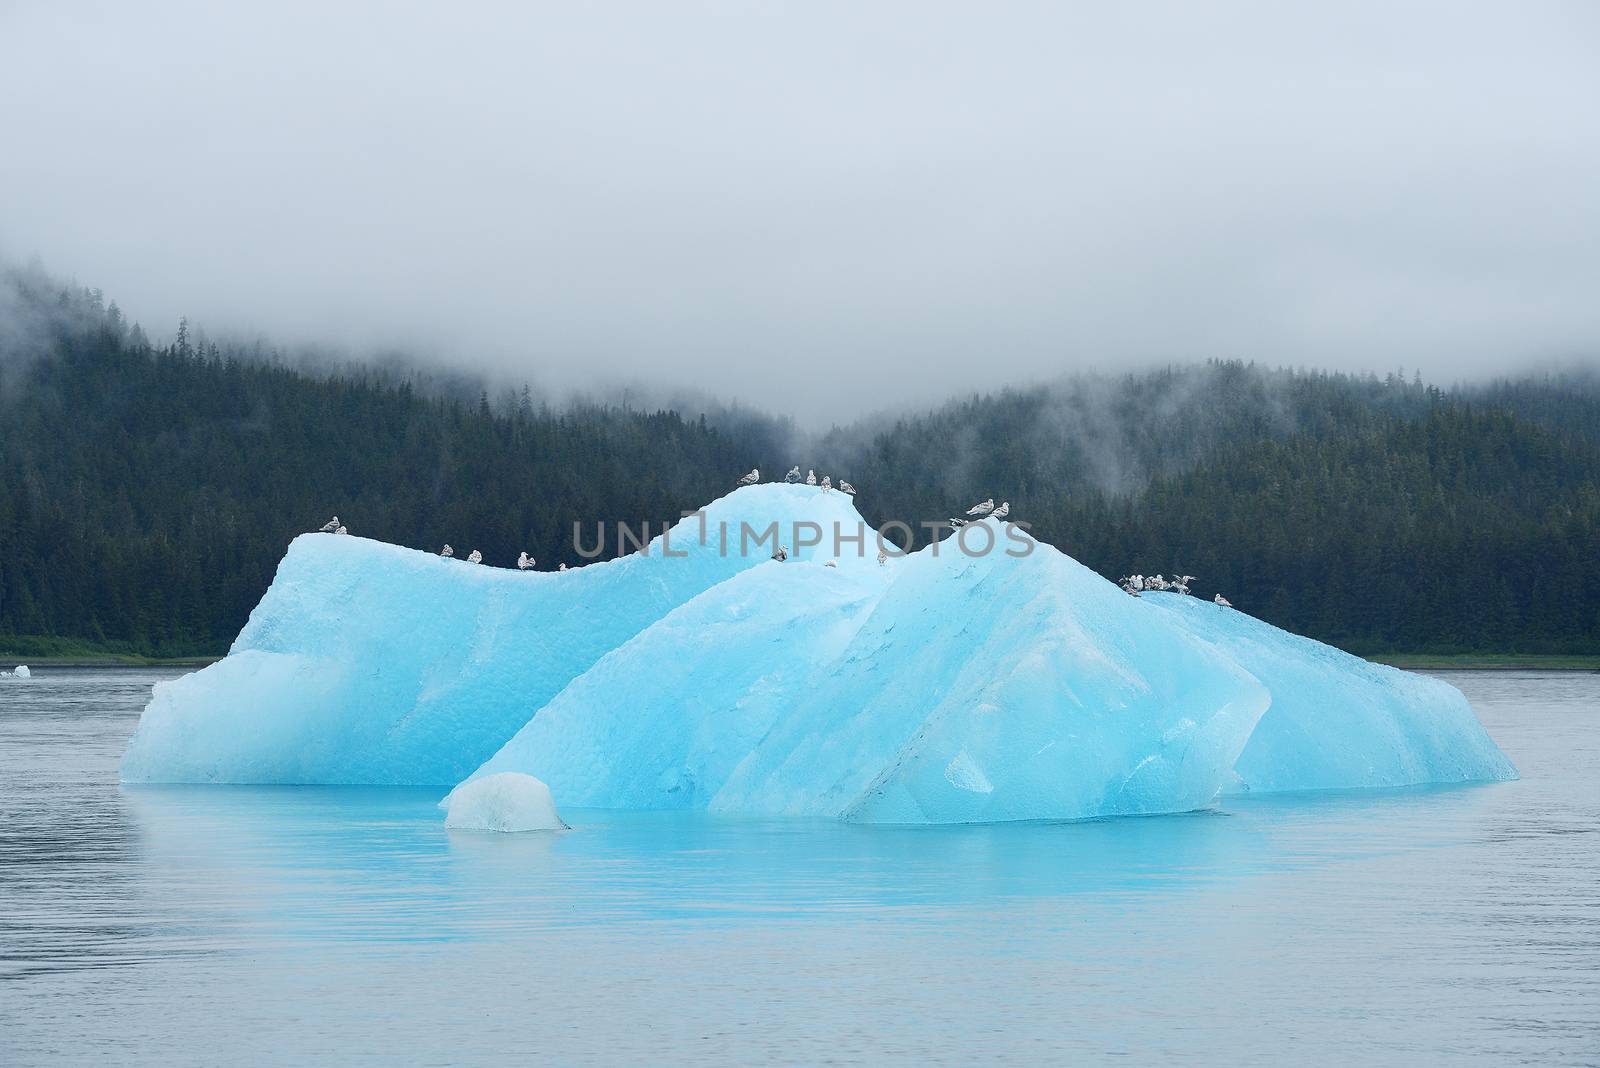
(148, 492)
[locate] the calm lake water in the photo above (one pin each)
(281, 925)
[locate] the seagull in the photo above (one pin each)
(883, 557)
(811, 478)
(563, 567)
(1223, 601)
(474, 557)
(826, 484)
(1002, 511)
(957, 524)
(781, 553)
(793, 476)
(447, 551)
(524, 561)
(341, 529)
(982, 509)
(1181, 583)
(847, 487)
(752, 478)
(330, 526)
(831, 563)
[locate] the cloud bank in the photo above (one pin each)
(823, 208)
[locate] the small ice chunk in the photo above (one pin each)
(22, 672)
(509, 801)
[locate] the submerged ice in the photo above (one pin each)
(938, 687)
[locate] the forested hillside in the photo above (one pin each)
(1378, 514)
(147, 493)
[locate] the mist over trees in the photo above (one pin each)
(147, 492)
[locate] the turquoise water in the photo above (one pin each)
(283, 925)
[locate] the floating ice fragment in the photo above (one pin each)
(509, 801)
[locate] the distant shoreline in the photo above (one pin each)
(109, 660)
(1408, 661)
(1487, 661)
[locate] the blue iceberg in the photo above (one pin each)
(1336, 721)
(938, 687)
(371, 663)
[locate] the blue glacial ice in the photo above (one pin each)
(371, 663)
(1337, 721)
(941, 687)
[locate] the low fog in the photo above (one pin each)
(822, 208)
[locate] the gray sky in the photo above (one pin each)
(823, 207)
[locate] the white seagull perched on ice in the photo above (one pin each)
(793, 476)
(847, 487)
(330, 526)
(474, 557)
(752, 478)
(563, 567)
(447, 551)
(811, 478)
(826, 484)
(982, 509)
(1002, 511)
(524, 561)
(1223, 601)
(341, 529)
(781, 553)
(883, 557)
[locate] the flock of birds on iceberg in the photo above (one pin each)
(1138, 584)
(793, 477)
(984, 509)
(524, 561)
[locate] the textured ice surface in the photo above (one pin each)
(662, 721)
(506, 802)
(1337, 721)
(370, 663)
(943, 687)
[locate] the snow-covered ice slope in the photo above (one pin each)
(370, 663)
(978, 688)
(1337, 721)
